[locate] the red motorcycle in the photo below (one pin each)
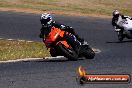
(60, 47)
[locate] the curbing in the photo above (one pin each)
(30, 59)
(22, 60)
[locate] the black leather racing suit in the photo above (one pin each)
(68, 35)
(46, 30)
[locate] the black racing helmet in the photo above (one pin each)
(46, 19)
(116, 13)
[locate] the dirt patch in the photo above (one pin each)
(95, 8)
(13, 1)
(53, 12)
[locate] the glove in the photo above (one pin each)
(117, 29)
(65, 27)
(62, 27)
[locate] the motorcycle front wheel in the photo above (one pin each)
(67, 52)
(53, 52)
(120, 36)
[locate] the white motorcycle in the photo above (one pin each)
(127, 25)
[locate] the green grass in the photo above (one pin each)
(21, 49)
(97, 7)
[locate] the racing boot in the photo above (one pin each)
(77, 47)
(81, 40)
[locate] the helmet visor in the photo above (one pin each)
(45, 21)
(116, 15)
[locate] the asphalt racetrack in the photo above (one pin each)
(114, 58)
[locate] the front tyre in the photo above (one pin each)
(53, 53)
(67, 52)
(120, 36)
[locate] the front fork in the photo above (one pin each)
(72, 40)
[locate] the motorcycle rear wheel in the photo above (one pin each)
(89, 53)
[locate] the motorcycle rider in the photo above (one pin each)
(116, 15)
(47, 23)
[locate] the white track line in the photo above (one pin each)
(21, 40)
(54, 57)
(10, 39)
(96, 50)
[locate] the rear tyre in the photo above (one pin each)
(68, 53)
(89, 53)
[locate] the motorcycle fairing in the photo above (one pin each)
(125, 23)
(53, 35)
